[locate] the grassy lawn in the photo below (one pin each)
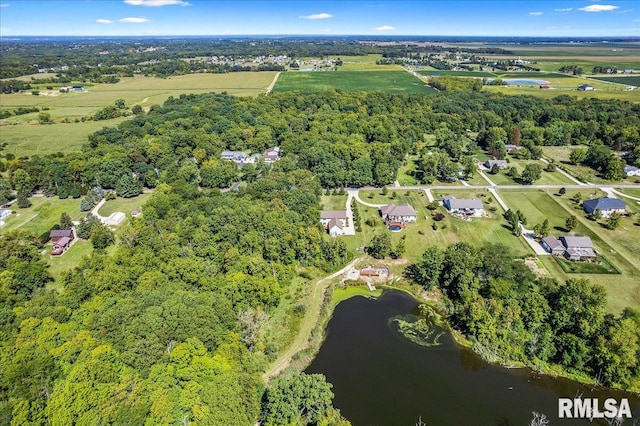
(36, 139)
(334, 202)
(364, 63)
(69, 260)
(629, 191)
(341, 294)
(406, 170)
(547, 178)
(600, 266)
(619, 246)
(124, 205)
(395, 81)
(628, 80)
(561, 155)
(43, 214)
(450, 230)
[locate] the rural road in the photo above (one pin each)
(308, 323)
(273, 83)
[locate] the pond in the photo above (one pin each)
(381, 378)
(522, 81)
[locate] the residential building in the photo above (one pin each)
(502, 164)
(606, 205)
(4, 213)
(402, 213)
(468, 207)
(631, 171)
(57, 234)
(334, 221)
(553, 245)
(61, 240)
(510, 148)
(272, 155)
(585, 87)
(236, 156)
(572, 247)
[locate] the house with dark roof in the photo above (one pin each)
(57, 234)
(402, 213)
(502, 164)
(272, 155)
(467, 207)
(61, 240)
(333, 221)
(235, 156)
(606, 205)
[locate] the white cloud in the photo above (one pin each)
(157, 3)
(318, 16)
(625, 11)
(134, 20)
(598, 8)
(564, 9)
(4, 4)
(385, 28)
(535, 13)
(104, 21)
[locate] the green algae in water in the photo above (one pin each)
(423, 330)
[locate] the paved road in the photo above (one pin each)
(529, 237)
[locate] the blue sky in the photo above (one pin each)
(215, 17)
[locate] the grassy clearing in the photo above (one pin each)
(43, 214)
(364, 63)
(435, 72)
(547, 178)
(561, 155)
(334, 202)
(601, 266)
(630, 191)
(35, 139)
(450, 230)
(69, 260)
(619, 246)
(341, 294)
(125, 205)
(351, 81)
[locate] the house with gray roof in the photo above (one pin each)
(5, 213)
(236, 156)
(606, 205)
(402, 213)
(468, 207)
(333, 221)
(553, 245)
(502, 164)
(578, 247)
(631, 171)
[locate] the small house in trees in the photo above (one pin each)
(502, 164)
(334, 221)
(466, 207)
(606, 205)
(272, 155)
(402, 213)
(510, 148)
(631, 171)
(61, 240)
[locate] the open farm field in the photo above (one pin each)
(620, 246)
(554, 63)
(364, 63)
(628, 80)
(567, 86)
(433, 72)
(37, 139)
(352, 81)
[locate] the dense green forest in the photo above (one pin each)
(343, 139)
(177, 322)
(511, 316)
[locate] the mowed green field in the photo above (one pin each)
(352, 81)
(628, 80)
(621, 246)
(421, 235)
(25, 137)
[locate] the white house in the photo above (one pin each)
(402, 213)
(502, 164)
(468, 207)
(334, 221)
(4, 213)
(631, 171)
(584, 87)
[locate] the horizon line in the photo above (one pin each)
(317, 35)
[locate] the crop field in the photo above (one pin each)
(433, 72)
(352, 81)
(628, 80)
(620, 246)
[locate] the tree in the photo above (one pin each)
(578, 155)
(577, 197)
(531, 173)
(614, 220)
(562, 191)
(495, 169)
(44, 118)
(542, 229)
(65, 221)
(299, 399)
(137, 109)
(128, 187)
(613, 169)
(426, 271)
(380, 246)
(468, 167)
(101, 236)
(571, 223)
(398, 250)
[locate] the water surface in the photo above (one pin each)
(381, 378)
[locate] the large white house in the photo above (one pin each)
(402, 213)
(334, 221)
(631, 171)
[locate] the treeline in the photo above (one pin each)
(176, 325)
(511, 316)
